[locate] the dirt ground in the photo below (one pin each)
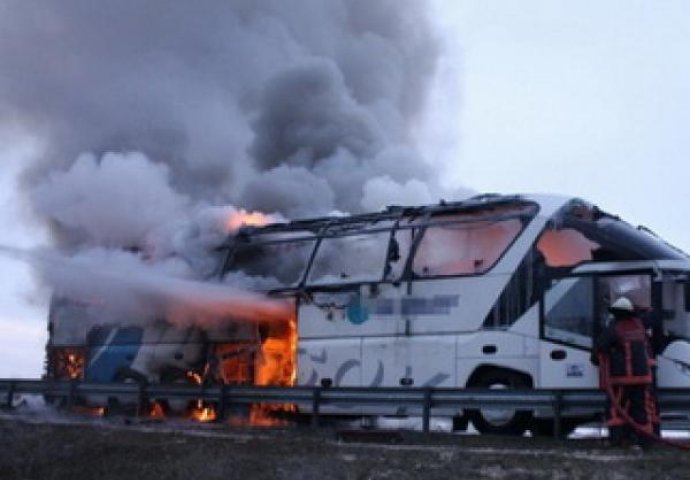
(104, 449)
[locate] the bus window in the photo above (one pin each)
(274, 257)
(463, 248)
(398, 252)
(568, 312)
(637, 288)
(352, 258)
(565, 247)
(610, 238)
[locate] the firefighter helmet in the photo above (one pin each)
(622, 306)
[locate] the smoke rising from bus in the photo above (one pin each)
(152, 115)
(122, 289)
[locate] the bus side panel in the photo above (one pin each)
(454, 304)
(419, 361)
(674, 365)
(498, 349)
(355, 311)
(336, 362)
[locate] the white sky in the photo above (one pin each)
(22, 315)
(589, 98)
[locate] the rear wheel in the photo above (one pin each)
(128, 405)
(499, 420)
(178, 407)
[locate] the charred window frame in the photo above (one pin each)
(329, 268)
(399, 223)
(243, 242)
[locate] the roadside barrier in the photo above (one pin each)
(422, 401)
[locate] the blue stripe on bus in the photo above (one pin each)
(106, 358)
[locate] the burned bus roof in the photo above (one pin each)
(485, 202)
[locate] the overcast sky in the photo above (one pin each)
(589, 98)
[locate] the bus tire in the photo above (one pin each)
(117, 405)
(176, 407)
(497, 421)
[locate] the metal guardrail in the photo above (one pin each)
(428, 399)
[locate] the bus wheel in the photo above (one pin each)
(500, 421)
(177, 407)
(124, 405)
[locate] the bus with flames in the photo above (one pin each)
(497, 291)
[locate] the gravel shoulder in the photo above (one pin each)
(64, 448)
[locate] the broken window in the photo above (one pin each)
(451, 246)
(566, 247)
(278, 256)
(585, 233)
(352, 258)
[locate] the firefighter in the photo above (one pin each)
(625, 363)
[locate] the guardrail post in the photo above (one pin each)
(10, 395)
(426, 410)
(142, 399)
(315, 406)
(72, 397)
(557, 405)
(221, 404)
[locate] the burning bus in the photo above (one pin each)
(494, 291)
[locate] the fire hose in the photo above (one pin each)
(616, 403)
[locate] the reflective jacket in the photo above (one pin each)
(626, 344)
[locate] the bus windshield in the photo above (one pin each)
(581, 232)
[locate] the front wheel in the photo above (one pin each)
(497, 420)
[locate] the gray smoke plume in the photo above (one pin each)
(155, 113)
(222, 92)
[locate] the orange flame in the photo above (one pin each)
(203, 413)
(276, 365)
(156, 410)
(200, 411)
(68, 363)
(241, 218)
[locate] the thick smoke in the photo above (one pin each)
(155, 113)
(223, 92)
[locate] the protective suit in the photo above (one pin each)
(625, 363)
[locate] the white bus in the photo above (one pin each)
(496, 291)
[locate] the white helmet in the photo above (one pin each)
(622, 305)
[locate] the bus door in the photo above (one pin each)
(575, 310)
(568, 318)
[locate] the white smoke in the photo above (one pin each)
(126, 290)
(113, 201)
(156, 114)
